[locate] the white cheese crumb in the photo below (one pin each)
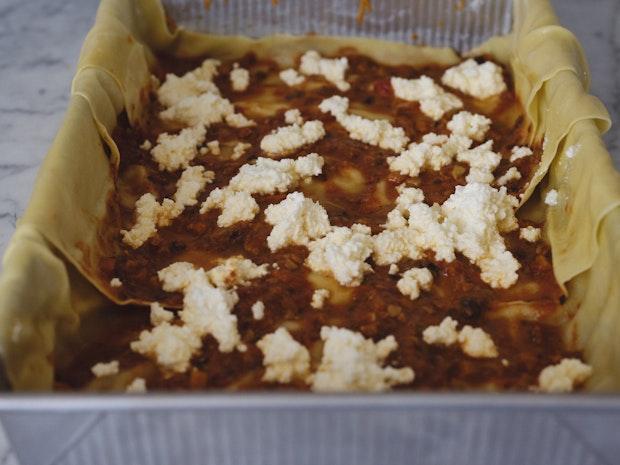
(413, 280)
(434, 152)
(236, 271)
(146, 145)
(551, 198)
(520, 152)
(319, 297)
(512, 174)
(138, 385)
(482, 162)
(174, 151)
(214, 147)
(377, 132)
(239, 150)
(332, 69)
(105, 369)
(171, 346)
(434, 101)
(295, 220)
(148, 214)
(293, 116)
(530, 234)
(480, 81)
(342, 253)
(196, 82)
(393, 269)
(115, 282)
(238, 120)
(203, 150)
(291, 77)
(563, 376)
(160, 315)
(258, 310)
(287, 139)
(284, 358)
(352, 363)
(239, 78)
(469, 125)
(235, 206)
(205, 109)
(445, 333)
(477, 343)
(192, 181)
(572, 150)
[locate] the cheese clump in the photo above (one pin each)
(474, 342)
(319, 296)
(105, 369)
(332, 69)
(291, 77)
(196, 82)
(434, 101)
(239, 78)
(284, 358)
(478, 80)
(512, 174)
(530, 233)
(469, 125)
(563, 376)
(174, 151)
(482, 162)
(414, 280)
(287, 139)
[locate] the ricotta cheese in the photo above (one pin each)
(171, 346)
(239, 78)
(434, 101)
(393, 269)
(284, 358)
(287, 139)
(551, 198)
(477, 343)
(291, 77)
(214, 147)
(236, 206)
(530, 233)
(469, 125)
(115, 282)
(105, 369)
(192, 181)
(236, 271)
(414, 280)
(160, 315)
(519, 152)
(196, 82)
(258, 310)
(563, 376)
(174, 151)
(352, 363)
(342, 253)
(293, 116)
(149, 213)
(378, 132)
(482, 162)
(332, 69)
(239, 150)
(434, 152)
(238, 120)
(478, 80)
(319, 297)
(512, 174)
(138, 385)
(295, 220)
(443, 334)
(146, 145)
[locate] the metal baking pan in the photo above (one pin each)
(292, 428)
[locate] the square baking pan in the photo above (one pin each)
(287, 428)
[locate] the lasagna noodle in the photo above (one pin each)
(42, 288)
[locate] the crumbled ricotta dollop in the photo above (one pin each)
(149, 214)
(470, 125)
(295, 220)
(239, 150)
(482, 162)
(146, 145)
(443, 334)
(214, 147)
(352, 363)
(287, 139)
(519, 152)
(236, 206)
(138, 385)
(478, 80)
(115, 282)
(291, 77)
(434, 152)
(160, 315)
(414, 280)
(512, 174)
(293, 116)
(342, 253)
(551, 198)
(239, 120)
(174, 151)
(205, 109)
(332, 69)
(378, 132)
(196, 82)
(192, 181)
(477, 343)
(434, 101)
(319, 296)
(284, 358)
(105, 369)
(236, 271)
(258, 310)
(530, 233)
(563, 376)
(239, 78)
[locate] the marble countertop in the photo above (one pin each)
(39, 46)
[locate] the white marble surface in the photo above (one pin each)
(39, 46)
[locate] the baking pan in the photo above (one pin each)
(393, 428)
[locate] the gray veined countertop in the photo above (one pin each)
(39, 46)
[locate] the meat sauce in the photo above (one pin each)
(356, 187)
